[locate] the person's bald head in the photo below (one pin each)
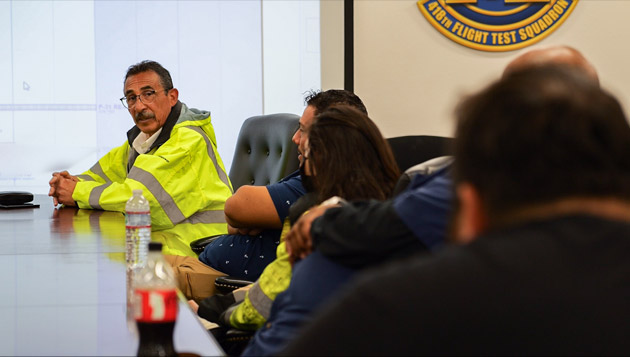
(562, 55)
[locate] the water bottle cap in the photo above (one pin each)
(155, 246)
(137, 192)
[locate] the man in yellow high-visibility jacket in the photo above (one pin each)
(171, 154)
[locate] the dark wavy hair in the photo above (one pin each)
(147, 65)
(322, 100)
(539, 135)
(350, 157)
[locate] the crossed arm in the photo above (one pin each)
(248, 211)
(251, 210)
(354, 235)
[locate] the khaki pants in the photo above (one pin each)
(194, 279)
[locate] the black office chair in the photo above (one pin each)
(414, 149)
(264, 151)
(264, 154)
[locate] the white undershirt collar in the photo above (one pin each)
(143, 142)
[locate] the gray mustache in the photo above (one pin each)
(144, 115)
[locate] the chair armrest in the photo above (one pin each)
(200, 244)
(227, 284)
(234, 335)
(233, 341)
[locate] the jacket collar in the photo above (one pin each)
(165, 134)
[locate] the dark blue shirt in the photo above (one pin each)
(244, 256)
(422, 206)
(285, 192)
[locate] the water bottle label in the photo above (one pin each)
(155, 305)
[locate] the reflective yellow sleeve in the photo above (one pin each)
(254, 311)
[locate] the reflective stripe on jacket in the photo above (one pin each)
(184, 180)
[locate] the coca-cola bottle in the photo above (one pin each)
(155, 305)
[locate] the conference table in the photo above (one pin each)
(64, 286)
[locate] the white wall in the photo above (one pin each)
(410, 76)
(291, 54)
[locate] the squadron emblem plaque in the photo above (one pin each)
(496, 25)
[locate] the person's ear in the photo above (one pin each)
(173, 95)
(471, 218)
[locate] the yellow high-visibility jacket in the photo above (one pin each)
(182, 176)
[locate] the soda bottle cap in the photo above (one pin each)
(155, 246)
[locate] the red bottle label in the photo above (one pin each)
(155, 305)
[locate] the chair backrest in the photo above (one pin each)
(414, 149)
(264, 151)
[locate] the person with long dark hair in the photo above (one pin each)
(349, 156)
(330, 167)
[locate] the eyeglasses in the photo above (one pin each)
(145, 97)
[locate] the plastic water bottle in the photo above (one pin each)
(155, 305)
(138, 225)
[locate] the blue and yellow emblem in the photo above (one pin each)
(496, 25)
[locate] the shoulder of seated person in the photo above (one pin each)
(334, 200)
(430, 166)
(250, 188)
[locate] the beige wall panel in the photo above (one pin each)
(410, 76)
(331, 38)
